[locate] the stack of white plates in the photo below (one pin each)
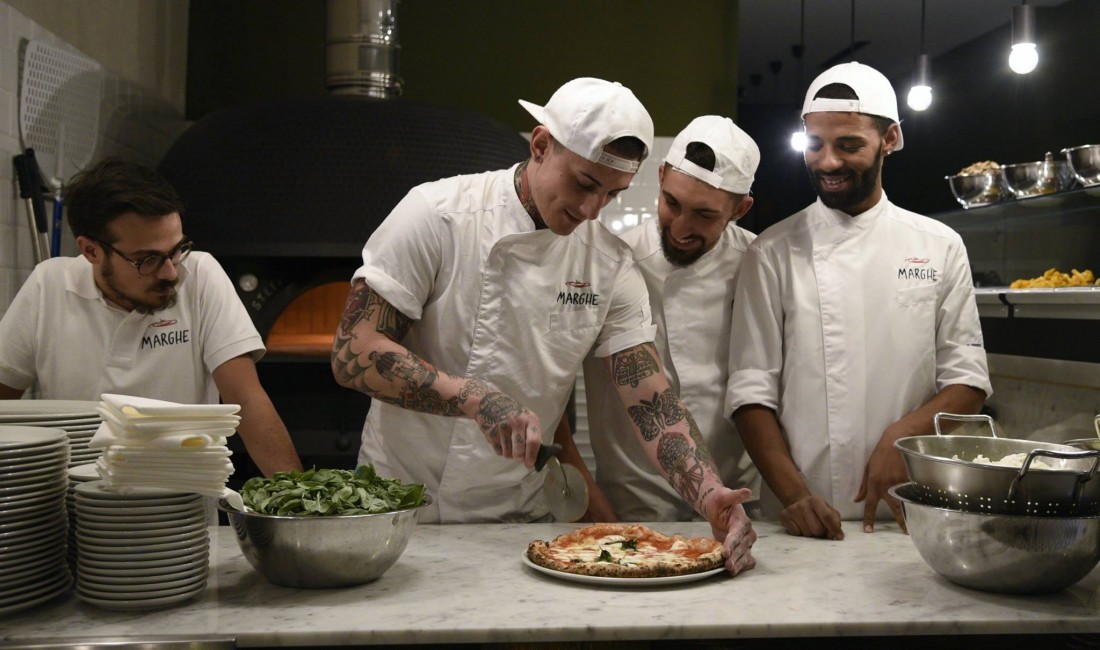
(145, 549)
(33, 524)
(77, 474)
(78, 419)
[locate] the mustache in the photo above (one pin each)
(166, 284)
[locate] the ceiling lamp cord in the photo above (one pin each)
(920, 95)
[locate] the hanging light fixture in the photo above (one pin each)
(920, 95)
(1024, 56)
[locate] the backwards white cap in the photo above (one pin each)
(587, 114)
(873, 90)
(736, 155)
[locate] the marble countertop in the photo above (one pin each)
(468, 584)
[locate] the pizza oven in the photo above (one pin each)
(285, 192)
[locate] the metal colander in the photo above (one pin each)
(944, 474)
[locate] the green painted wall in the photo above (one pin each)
(681, 60)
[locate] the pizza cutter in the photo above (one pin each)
(564, 487)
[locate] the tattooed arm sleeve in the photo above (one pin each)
(666, 428)
(367, 355)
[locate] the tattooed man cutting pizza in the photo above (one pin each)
(476, 304)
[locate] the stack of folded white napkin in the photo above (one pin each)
(153, 443)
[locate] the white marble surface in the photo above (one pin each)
(467, 584)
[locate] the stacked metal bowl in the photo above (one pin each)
(1085, 163)
(1031, 529)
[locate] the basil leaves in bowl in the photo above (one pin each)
(325, 527)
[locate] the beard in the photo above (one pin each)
(140, 304)
(677, 256)
(862, 186)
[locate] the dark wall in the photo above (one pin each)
(481, 55)
(981, 111)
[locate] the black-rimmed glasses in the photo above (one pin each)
(152, 263)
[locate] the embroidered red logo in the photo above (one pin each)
(163, 323)
(577, 284)
(917, 260)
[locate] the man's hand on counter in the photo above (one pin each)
(731, 525)
(812, 516)
(885, 469)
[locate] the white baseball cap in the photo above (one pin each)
(586, 114)
(876, 95)
(736, 155)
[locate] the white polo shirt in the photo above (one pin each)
(692, 308)
(62, 340)
(492, 298)
(845, 324)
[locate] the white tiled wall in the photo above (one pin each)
(134, 123)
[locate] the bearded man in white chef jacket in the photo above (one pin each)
(138, 313)
(477, 301)
(689, 258)
(854, 323)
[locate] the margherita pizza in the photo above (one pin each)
(626, 551)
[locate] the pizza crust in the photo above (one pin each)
(626, 551)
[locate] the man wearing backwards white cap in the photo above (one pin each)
(854, 323)
(689, 258)
(479, 297)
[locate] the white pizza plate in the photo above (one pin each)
(623, 582)
(44, 591)
(179, 510)
(85, 472)
(146, 574)
(140, 545)
(29, 489)
(51, 422)
(196, 514)
(140, 603)
(97, 492)
(46, 408)
(143, 534)
(161, 564)
(122, 592)
(184, 554)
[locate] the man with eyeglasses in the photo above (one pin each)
(138, 313)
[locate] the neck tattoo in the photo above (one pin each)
(523, 191)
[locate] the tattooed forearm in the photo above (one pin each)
(631, 366)
(493, 414)
(702, 451)
(685, 470)
(652, 417)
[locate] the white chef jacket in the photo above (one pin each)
(495, 299)
(692, 307)
(845, 324)
(63, 340)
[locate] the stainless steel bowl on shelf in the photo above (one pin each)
(1030, 179)
(322, 551)
(1084, 161)
(1001, 553)
(974, 190)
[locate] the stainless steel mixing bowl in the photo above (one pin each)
(1029, 179)
(1002, 553)
(942, 468)
(978, 189)
(1085, 163)
(324, 551)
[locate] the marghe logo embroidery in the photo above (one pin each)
(165, 339)
(578, 297)
(916, 268)
(163, 323)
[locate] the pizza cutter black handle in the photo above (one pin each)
(545, 453)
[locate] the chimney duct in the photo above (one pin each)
(361, 50)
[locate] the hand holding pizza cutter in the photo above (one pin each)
(564, 487)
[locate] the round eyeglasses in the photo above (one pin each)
(151, 264)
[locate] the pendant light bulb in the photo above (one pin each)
(798, 141)
(1024, 56)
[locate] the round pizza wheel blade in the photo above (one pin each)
(565, 491)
